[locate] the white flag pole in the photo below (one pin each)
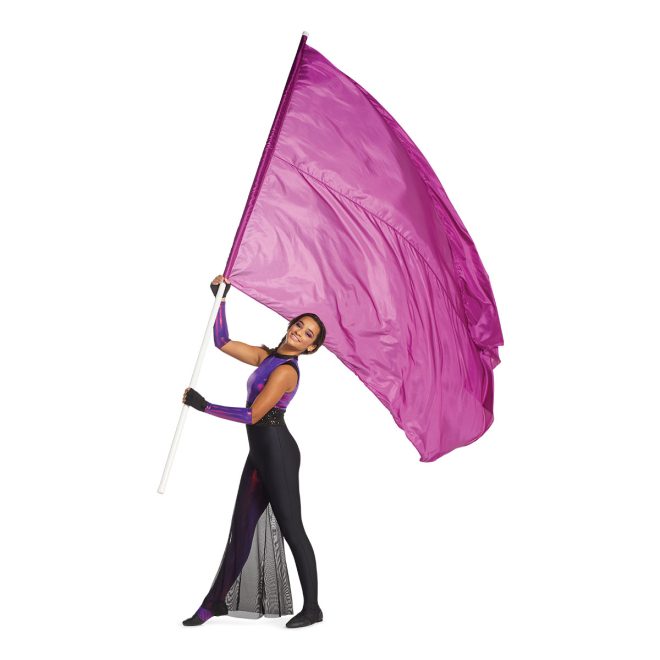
(249, 204)
(193, 381)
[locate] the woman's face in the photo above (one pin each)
(302, 334)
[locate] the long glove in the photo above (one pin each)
(194, 399)
(220, 332)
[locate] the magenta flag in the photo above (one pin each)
(346, 219)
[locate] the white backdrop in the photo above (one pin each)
(130, 133)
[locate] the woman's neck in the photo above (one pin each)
(278, 350)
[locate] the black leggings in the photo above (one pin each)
(270, 476)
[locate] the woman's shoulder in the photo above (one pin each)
(295, 375)
(289, 369)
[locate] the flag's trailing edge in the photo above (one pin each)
(347, 219)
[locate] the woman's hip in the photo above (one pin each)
(269, 432)
(267, 441)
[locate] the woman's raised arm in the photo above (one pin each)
(237, 349)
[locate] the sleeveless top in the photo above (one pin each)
(257, 381)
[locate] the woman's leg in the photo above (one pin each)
(251, 501)
(277, 456)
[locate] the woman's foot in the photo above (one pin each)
(306, 617)
(203, 615)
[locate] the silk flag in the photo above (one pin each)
(346, 219)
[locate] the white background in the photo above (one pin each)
(130, 133)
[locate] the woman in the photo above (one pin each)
(268, 489)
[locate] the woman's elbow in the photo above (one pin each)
(253, 416)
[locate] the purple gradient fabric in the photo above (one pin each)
(220, 330)
(231, 413)
(257, 380)
(255, 384)
(347, 219)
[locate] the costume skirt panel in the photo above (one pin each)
(253, 578)
(262, 587)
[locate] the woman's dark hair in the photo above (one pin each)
(318, 342)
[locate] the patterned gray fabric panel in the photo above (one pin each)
(262, 588)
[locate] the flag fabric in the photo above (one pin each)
(347, 219)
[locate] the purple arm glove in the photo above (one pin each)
(194, 399)
(220, 332)
(242, 415)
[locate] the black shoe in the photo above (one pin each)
(305, 618)
(203, 615)
(194, 620)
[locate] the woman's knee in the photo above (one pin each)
(292, 528)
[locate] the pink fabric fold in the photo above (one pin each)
(347, 219)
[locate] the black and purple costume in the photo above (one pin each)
(252, 579)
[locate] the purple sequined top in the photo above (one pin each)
(260, 375)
